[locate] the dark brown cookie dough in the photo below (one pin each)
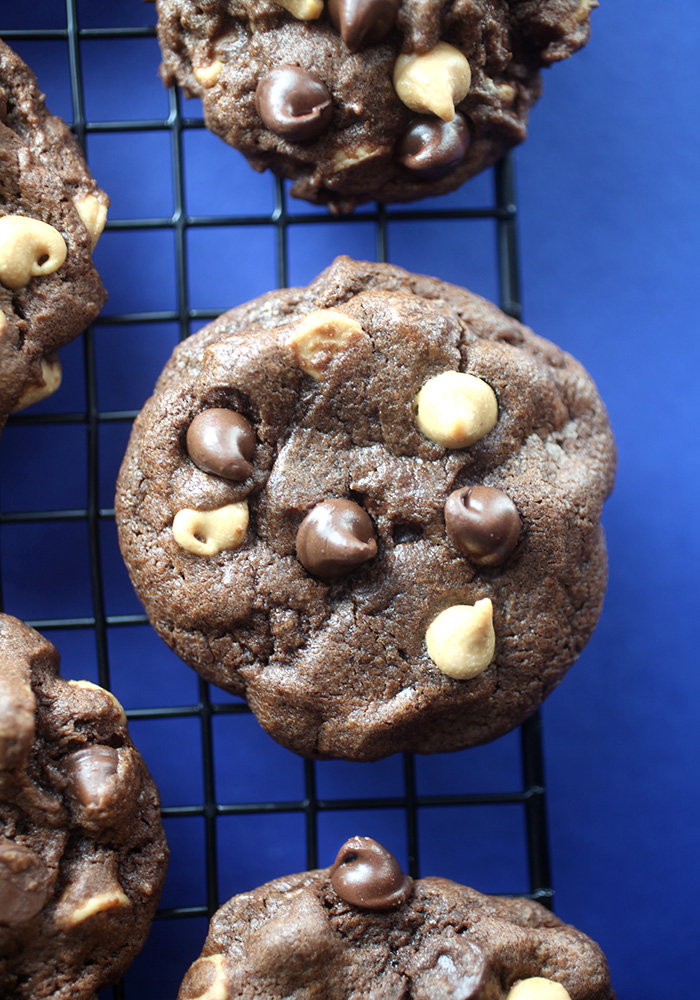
(356, 100)
(390, 623)
(82, 851)
(364, 929)
(51, 215)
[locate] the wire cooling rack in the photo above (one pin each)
(192, 231)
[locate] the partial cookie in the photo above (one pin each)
(371, 507)
(364, 929)
(51, 216)
(355, 100)
(83, 855)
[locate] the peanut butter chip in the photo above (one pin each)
(208, 532)
(113, 899)
(345, 159)
(320, 337)
(50, 380)
(456, 409)
(93, 888)
(303, 10)
(434, 82)
(208, 75)
(89, 686)
(28, 249)
(93, 214)
(461, 640)
(205, 980)
(537, 988)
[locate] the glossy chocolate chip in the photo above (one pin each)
(366, 874)
(294, 103)
(222, 442)
(482, 523)
(363, 22)
(88, 772)
(335, 537)
(431, 147)
(25, 884)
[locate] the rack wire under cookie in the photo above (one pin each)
(238, 810)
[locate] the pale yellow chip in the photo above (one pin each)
(461, 641)
(89, 686)
(93, 214)
(208, 75)
(208, 532)
(433, 82)
(49, 382)
(303, 10)
(29, 249)
(103, 902)
(456, 409)
(206, 980)
(536, 988)
(321, 337)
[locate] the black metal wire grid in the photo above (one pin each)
(530, 797)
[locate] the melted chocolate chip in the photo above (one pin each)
(335, 537)
(366, 874)
(363, 22)
(294, 103)
(25, 884)
(88, 771)
(482, 523)
(431, 147)
(221, 442)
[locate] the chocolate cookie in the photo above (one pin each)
(82, 851)
(364, 929)
(371, 507)
(368, 99)
(51, 215)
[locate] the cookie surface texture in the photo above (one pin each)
(51, 216)
(354, 100)
(82, 851)
(333, 586)
(364, 929)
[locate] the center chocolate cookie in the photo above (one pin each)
(371, 507)
(355, 100)
(362, 928)
(82, 850)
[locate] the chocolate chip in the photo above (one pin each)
(221, 442)
(363, 22)
(88, 772)
(366, 874)
(335, 537)
(431, 147)
(482, 523)
(294, 103)
(25, 883)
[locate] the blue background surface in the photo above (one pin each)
(609, 216)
